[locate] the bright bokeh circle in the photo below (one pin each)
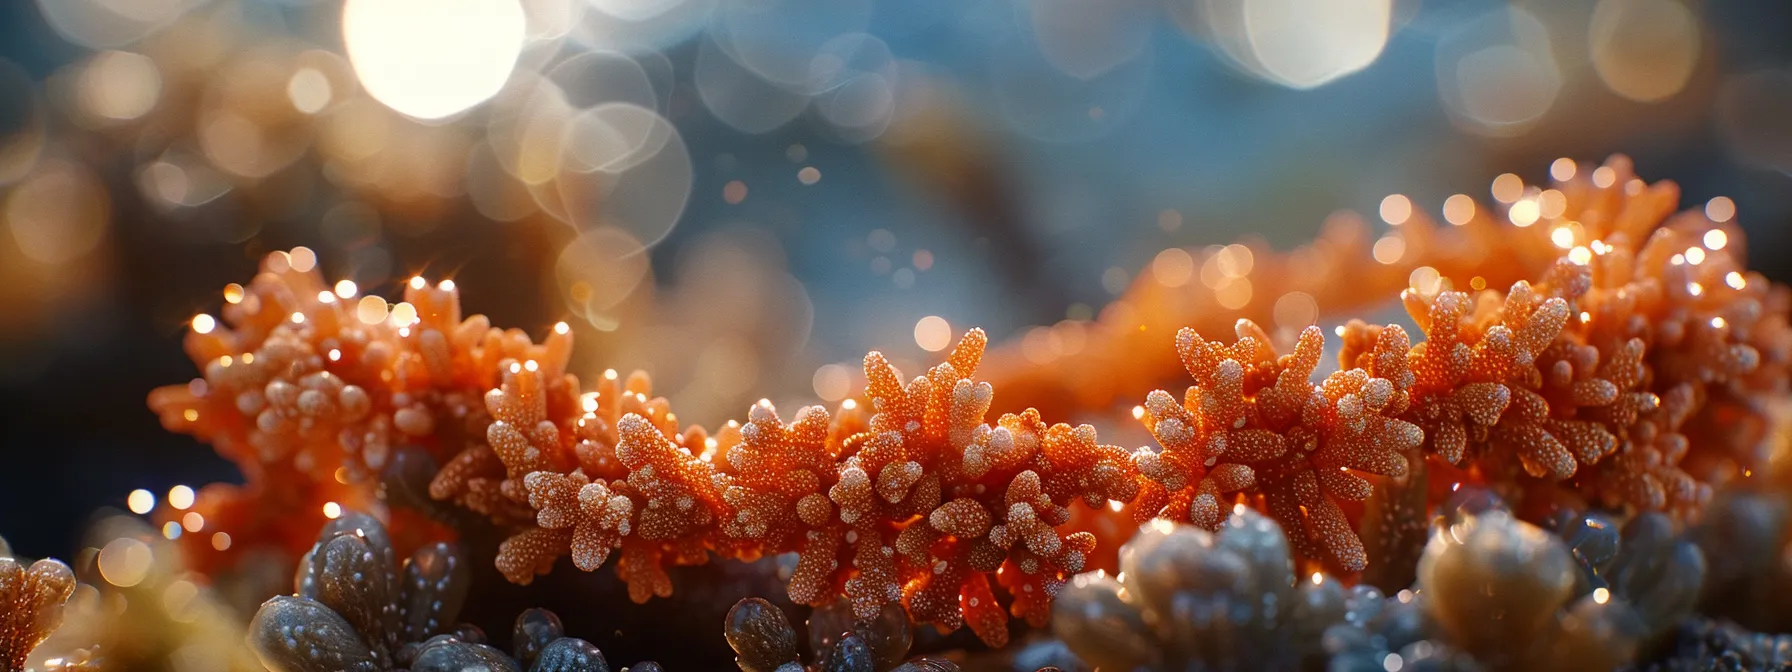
(432, 58)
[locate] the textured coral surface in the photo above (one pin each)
(31, 600)
(1629, 363)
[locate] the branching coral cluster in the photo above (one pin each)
(1635, 372)
(919, 501)
(311, 393)
(1618, 374)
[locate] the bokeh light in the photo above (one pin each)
(739, 97)
(1751, 114)
(1644, 50)
(1307, 43)
(1086, 38)
(125, 562)
(1497, 74)
(832, 382)
(120, 85)
(1720, 209)
(598, 270)
(933, 333)
(1173, 267)
(180, 497)
(432, 58)
(141, 501)
(104, 24)
(1299, 44)
(57, 214)
(1459, 209)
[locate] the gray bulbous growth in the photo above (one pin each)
(764, 641)
(1658, 574)
(298, 634)
(1496, 593)
(887, 637)
(356, 609)
(1503, 591)
(534, 630)
(1749, 586)
(760, 635)
(446, 653)
(1189, 599)
(851, 654)
(926, 664)
(570, 654)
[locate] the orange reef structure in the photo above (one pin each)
(1631, 364)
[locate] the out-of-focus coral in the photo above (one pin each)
(1502, 591)
(1657, 574)
(1750, 588)
(1256, 424)
(1187, 598)
(1704, 645)
(31, 604)
(764, 641)
(138, 606)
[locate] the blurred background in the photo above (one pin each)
(743, 196)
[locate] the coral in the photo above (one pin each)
(1256, 424)
(31, 605)
(1591, 368)
(918, 501)
(991, 496)
(659, 511)
(1629, 371)
(1634, 353)
(619, 433)
(310, 393)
